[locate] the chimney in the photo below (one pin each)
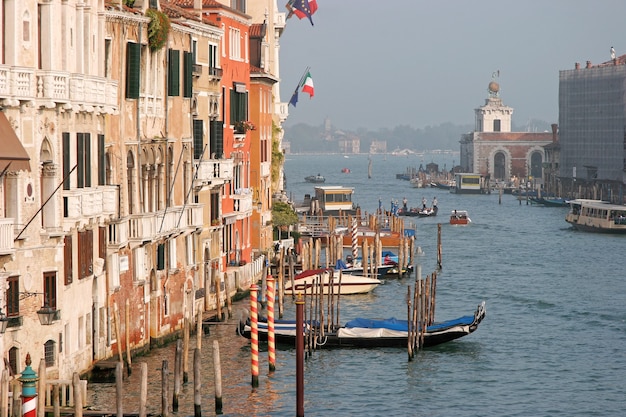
(555, 137)
(197, 8)
(588, 64)
(577, 65)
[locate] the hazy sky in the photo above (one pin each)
(421, 63)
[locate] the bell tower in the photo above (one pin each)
(493, 116)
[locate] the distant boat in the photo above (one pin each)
(318, 179)
(459, 217)
(346, 156)
(345, 170)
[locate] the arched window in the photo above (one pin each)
(13, 361)
(50, 353)
(499, 166)
(535, 165)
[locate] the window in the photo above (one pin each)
(133, 68)
(198, 139)
(160, 257)
(13, 361)
(101, 161)
(139, 255)
(13, 296)
(238, 106)
(216, 138)
(172, 254)
(188, 74)
(66, 161)
(67, 260)
(173, 76)
(49, 353)
(213, 60)
(102, 249)
(83, 157)
(85, 253)
(234, 41)
(496, 125)
(50, 289)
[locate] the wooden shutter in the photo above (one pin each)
(67, 260)
(198, 142)
(188, 76)
(87, 156)
(66, 160)
(160, 257)
(50, 289)
(133, 68)
(173, 77)
(217, 138)
(101, 161)
(80, 160)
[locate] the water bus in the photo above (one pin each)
(596, 216)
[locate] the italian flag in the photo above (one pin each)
(307, 85)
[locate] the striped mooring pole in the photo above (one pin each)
(29, 390)
(355, 242)
(271, 343)
(254, 335)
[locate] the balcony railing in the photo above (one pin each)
(243, 200)
(215, 73)
(84, 203)
(214, 171)
(57, 87)
(150, 227)
(6, 236)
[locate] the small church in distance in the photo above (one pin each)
(498, 154)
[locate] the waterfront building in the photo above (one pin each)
(592, 110)
(495, 152)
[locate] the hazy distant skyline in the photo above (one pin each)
(410, 62)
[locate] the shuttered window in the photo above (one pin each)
(161, 257)
(101, 161)
(13, 296)
(198, 139)
(50, 289)
(85, 253)
(67, 260)
(188, 75)
(83, 159)
(173, 77)
(216, 137)
(102, 249)
(133, 68)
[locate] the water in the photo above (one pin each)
(552, 343)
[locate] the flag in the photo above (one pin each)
(294, 98)
(302, 8)
(307, 85)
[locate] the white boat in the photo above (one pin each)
(344, 284)
(596, 216)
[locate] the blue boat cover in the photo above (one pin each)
(401, 325)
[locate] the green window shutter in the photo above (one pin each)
(87, 139)
(216, 139)
(233, 107)
(66, 161)
(133, 68)
(80, 159)
(101, 161)
(188, 77)
(173, 78)
(198, 142)
(160, 257)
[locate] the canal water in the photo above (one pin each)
(552, 343)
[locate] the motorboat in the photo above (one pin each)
(459, 217)
(308, 282)
(317, 179)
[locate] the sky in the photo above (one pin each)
(381, 64)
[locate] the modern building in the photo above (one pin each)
(495, 152)
(592, 121)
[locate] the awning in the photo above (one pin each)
(11, 149)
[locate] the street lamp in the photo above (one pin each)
(46, 313)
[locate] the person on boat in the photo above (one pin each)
(424, 203)
(404, 207)
(434, 203)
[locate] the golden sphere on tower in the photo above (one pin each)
(494, 87)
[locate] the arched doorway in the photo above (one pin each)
(499, 167)
(535, 164)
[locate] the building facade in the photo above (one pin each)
(592, 119)
(495, 152)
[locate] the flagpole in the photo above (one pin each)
(306, 71)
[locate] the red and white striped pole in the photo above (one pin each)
(254, 335)
(29, 390)
(355, 241)
(271, 343)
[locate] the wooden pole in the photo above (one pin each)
(165, 412)
(119, 388)
(218, 297)
(41, 384)
(199, 329)
(439, 245)
(4, 394)
(185, 350)
(271, 346)
(217, 369)
(127, 330)
(197, 384)
(118, 333)
(254, 335)
(409, 315)
(177, 373)
(143, 395)
(229, 304)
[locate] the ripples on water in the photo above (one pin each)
(552, 343)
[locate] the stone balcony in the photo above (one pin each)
(141, 228)
(77, 92)
(213, 172)
(242, 200)
(282, 110)
(83, 204)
